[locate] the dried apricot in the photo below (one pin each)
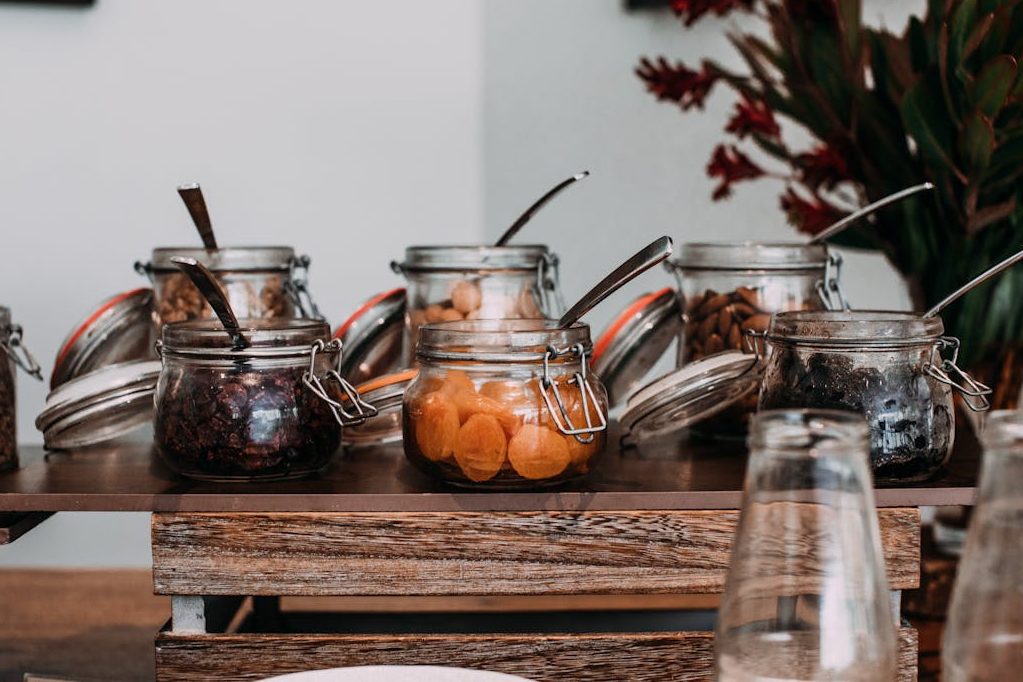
(504, 391)
(466, 297)
(581, 453)
(473, 403)
(537, 452)
(456, 381)
(436, 424)
(481, 447)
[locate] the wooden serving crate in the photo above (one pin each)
(603, 579)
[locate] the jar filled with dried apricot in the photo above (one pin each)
(449, 283)
(729, 289)
(504, 404)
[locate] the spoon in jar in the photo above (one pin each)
(191, 194)
(975, 282)
(540, 203)
(656, 252)
(215, 295)
(845, 222)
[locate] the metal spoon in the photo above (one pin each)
(191, 194)
(540, 203)
(215, 295)
(845, 222)
(975, 282)
(645, 259)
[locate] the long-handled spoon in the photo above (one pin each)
(191, 194)
(540, 203)
(845, 222)
(215, 295)
(651, 255)
(975, 282)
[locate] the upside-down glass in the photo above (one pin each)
(984, 631)
(806, 597)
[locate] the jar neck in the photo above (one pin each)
(228, 258)
(1002, 464)
(420, 260)
(504, 341)
(787, 257)
(854, 330)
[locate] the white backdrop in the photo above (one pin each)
(347, 129)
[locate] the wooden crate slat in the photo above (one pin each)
(678, 656)
(467, 553)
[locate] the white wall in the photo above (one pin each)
(346, 128)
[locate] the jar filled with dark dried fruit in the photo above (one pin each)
(896, 369)
(262, 282)
(504, 404)
(450, 283)
(731, 288)
(270, 410)
(12, 355)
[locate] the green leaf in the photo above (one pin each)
(923, 118)
(959, 28)
(990, 215)
(849, 12)
(919, 52)
(976, 143)
(994, 42)
(993, 84)
(979, 33)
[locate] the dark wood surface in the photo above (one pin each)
(480, 553)
(665, 475)
(15, 524)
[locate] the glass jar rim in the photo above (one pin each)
(1003, 428)
(499, 340)
(460, 257)
(226, 258)
(782, 430)
(752, 255)
(268, 337)
(854, 327)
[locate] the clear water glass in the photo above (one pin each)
(806, 597)
(984, 631)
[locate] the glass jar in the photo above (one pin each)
(984, 634)
(806, 596)
(504, 404)
(449, 283)
(266, 282)
(729, 288)
(267, 411)
(895, 368)
(14, 355)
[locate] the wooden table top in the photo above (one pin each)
(665, 475)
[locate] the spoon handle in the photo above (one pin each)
(540, 203)
(975, 282)
(214, 294)
(191, 194)
(845, 222)
(645, 259)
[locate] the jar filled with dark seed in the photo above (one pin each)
(729, 289)
(897, 369)
(12, 355)
(268, 410)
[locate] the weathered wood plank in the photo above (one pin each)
(468, 553)
(677, 656)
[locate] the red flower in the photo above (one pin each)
(730, 165)
(821, 167)
(810, 216)
(752, 117)
(692, 10)
(677, 83)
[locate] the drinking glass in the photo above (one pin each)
(984, 632)
(806, 596)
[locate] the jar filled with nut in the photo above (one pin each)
(271, 410)
(262, 282)
(504, 404)
(449, 283)
(729, 289)
(12, 355)
(897, 369)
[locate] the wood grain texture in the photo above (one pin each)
(677, 656)
(468, 553)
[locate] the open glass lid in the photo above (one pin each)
(634, 342)
(99, 406)
(371, 338)
(118, 330)
(699, 390)
(386, 394)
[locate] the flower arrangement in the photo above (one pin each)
(940, 101)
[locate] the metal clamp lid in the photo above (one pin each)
(372, 337)
(548, 286)
(829, 289)
(587, 397)
(19, 353)
(945, 370)
(363, 410)
(297, 287)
